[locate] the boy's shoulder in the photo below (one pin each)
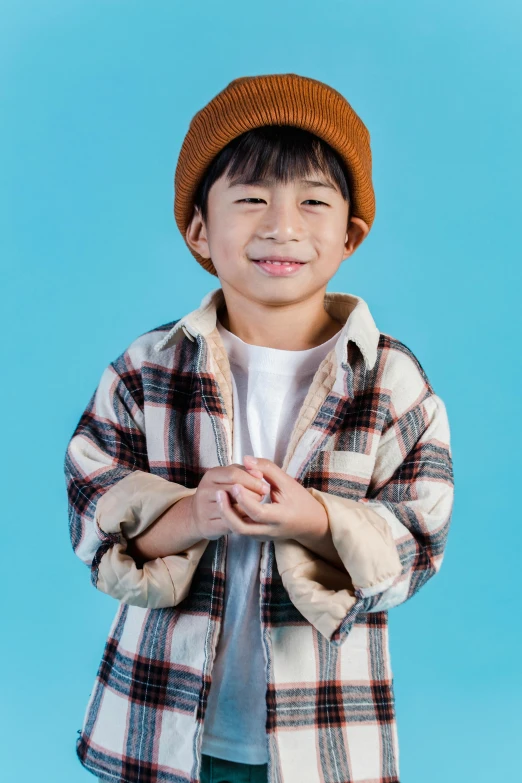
(146, 341)
(152, 336)
(399, 374)
(398, 357)
(140, 351)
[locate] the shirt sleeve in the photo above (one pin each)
(113, 496)
(392, 541)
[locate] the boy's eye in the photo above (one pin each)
(260, 199)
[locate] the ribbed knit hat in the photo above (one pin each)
(276, 99)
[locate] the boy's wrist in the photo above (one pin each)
(319, 540)
(191, 527)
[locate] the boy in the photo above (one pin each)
(251, 639)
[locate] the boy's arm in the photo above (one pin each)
(113, 497)
(172, 532)
(409, 504)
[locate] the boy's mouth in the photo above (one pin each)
(278, 266)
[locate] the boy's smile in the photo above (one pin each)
(278, 266)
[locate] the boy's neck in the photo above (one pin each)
(290, 327)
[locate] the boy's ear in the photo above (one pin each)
(196, 234)
(358, 230)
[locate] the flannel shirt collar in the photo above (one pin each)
(348, 309)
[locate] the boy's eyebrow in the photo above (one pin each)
(312, 183)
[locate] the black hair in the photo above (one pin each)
(278, 152)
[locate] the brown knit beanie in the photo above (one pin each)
(275, 99)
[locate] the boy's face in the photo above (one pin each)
(304, 220)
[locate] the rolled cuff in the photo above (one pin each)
(125, 511)
(364, 541)
(322, 593)
(325, 595)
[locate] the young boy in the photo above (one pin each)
(251, 638)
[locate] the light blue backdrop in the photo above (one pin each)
(96, 99)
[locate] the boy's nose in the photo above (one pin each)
(281, 221)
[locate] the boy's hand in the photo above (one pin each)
(207, 517)
(293, 513)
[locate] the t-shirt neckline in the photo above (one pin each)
(276, 360)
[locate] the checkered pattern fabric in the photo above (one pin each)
(371, 441)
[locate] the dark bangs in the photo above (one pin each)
(275, 152)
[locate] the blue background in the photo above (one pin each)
(96, 99)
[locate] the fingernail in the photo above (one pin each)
(252, 459)
(266, 486)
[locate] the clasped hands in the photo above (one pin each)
(229, 498)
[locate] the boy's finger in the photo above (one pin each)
(227, 488)
(263, 513)
(255, 497)
(271, 472)
(244, 478)
(236, 524)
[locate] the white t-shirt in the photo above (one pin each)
(269, 387)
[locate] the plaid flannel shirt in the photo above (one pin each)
(371, 443)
